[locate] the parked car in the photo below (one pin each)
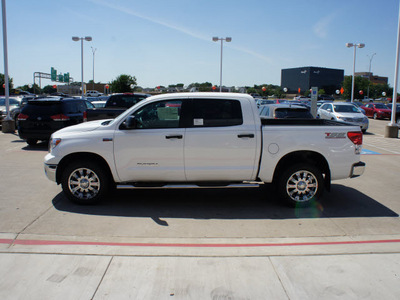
(14, 107)
(93, 93)
(99, 104)
(359, 105)
(285, 111)
(203, 140)
(40, 117)
(325, 97)
(377, 110)
(344, 112)
(260, 102)
(115, 105)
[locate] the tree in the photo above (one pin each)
(2, 80)
(122, 84)
(48, 89)
(360, 84)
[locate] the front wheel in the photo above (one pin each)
(85, 182)
(300, 185)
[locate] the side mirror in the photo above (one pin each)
(131, 123)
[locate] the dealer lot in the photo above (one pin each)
(215, 231)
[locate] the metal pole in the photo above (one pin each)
(94, 51)
(83, 93)
(6, 83)
(220, 75)
(354, 72)
(396, 73)
(369, 73)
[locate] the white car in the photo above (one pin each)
(344, 112)
(93, 93)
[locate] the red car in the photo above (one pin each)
(377, 110)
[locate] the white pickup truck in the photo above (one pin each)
(202, 140)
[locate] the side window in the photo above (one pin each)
(163, 114)
(324, 106)
(216, 113)
(70, 107)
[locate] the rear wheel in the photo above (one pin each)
(85, 182)
(300, 185)
(31, 142)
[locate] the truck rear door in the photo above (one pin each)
(220, 141)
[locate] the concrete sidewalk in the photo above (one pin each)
(246, 269)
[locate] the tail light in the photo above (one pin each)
(84, 116)
(60, 117)
(22, 117)
(356, 137)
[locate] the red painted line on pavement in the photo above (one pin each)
(79, 243)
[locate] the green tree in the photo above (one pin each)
(122, 84)
(360, 84)
(2, 80)
(48, 89)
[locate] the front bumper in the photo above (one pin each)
(50, 171)
(357, 169)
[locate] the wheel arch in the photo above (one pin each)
(311, 157)
(87, 156)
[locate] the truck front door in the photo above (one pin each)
(153, 151)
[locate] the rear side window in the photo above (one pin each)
(71, 107)
(216, 113)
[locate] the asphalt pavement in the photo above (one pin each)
(194, 247)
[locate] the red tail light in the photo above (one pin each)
(356, 137)
(59, 117)
(84, 116)
(22, 117)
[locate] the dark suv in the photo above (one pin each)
(40, 117)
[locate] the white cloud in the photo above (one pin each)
(322, 26)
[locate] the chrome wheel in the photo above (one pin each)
(302, 186)
(84, 184)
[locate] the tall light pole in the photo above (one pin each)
(77, 39)
(93, 51)
(7, 125)
(349, 45)
(216, 39)
(369, 71)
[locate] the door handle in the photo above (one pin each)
(179, 136)
(241, 136)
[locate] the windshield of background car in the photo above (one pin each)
(346, 109)
(42, 108)
(285, 113)
(125, 100)
(381, 106)
(12, 101)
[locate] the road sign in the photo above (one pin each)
(53, 74)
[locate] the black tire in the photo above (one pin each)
(85, 182)
(300, 185)
(31, 142)
(364, 130)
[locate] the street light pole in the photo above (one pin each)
(93, 51)
(216, 39)
(369, 72)
(76, 39)
(349, 45)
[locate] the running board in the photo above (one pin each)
(190, 186)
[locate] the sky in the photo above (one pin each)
(168, 42)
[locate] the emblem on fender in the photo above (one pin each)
(335, 135)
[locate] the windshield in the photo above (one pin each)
(346, 109)
(381, 106)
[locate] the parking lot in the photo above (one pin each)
(213, 233)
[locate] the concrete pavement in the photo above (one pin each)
(347, 248)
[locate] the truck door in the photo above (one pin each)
(220, 141)
(153, 151)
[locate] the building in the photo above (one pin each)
(373, 78)
(305, 78)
